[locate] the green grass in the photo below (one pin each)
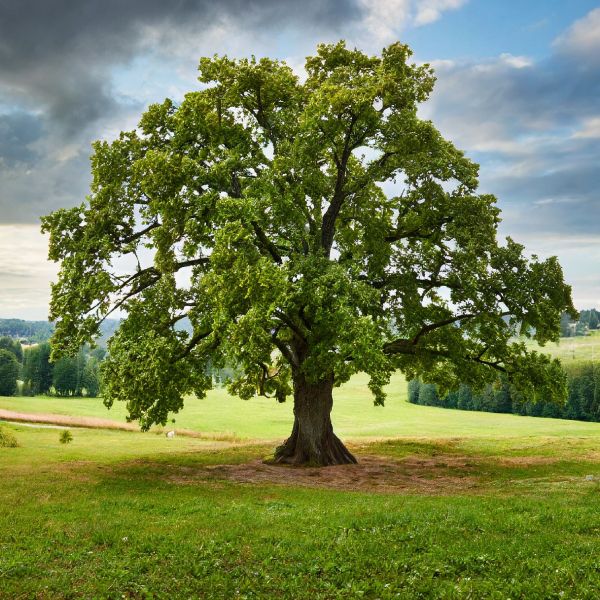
(108, 517)
(485, 506)
(572, 350)
(354, 415)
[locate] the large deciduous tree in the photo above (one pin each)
(263, 209)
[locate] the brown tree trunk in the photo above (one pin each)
(312, 441)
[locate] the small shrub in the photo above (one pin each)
(65, 437)
(7, 440)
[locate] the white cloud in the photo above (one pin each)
(429, 11)
(25, 272)
(518, 62)
(582, 39)
(386, 17)
(591, 129)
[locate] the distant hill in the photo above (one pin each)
(36, 332)
(30, 331)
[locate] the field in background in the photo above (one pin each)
(572, 350)
(354, 415)
(443, 504)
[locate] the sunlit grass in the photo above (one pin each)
(107, 516)
(493, 505)
(572, 350)
(354, 415)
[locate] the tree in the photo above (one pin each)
(414, 387)
(9, 372)
(428, 395)
(261, 198)
(90, 379)
(502, 400)
(65, 380)
(13, 346)
(37, 369)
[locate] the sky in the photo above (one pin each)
(518, 89)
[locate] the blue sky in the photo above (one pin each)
(518, 89)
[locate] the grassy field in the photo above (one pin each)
(444, 504)
(573, 350)
(354, 416)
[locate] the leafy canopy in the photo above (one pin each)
(259, 210)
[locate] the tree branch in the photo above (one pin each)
(196, 339)
(414, 233)
(328, 227)
(284, 318)
(267, 243)
(137, 235)
(286, 352)
(406, 347)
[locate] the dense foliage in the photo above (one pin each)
(582, 402)
(69, 376)
(9, 373)
(262, 199)
(12, 345)
(37, 370)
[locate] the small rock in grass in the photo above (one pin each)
(589, 478)
(171, 434)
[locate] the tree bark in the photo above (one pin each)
(312, 441)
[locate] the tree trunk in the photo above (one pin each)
(312, 441)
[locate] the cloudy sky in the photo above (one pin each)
(518, 89)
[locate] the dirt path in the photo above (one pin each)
(66, 420)
(39, 425)
(98, 423)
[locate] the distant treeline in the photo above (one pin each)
(70, 376)
(583, 403)
(588, 320)
(36, 332)
(29, 331)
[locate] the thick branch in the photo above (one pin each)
(267, 243)
(284, 318)
(286, 352)
(404, 346)
(328, 227)
(196, 339)
(399, 234)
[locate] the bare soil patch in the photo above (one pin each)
(527, 461)
(436, 476)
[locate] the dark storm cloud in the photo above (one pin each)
(57, 53)
(57, 61)
(18, 130)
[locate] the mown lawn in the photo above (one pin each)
(446, 504)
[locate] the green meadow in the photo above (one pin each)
(572, 350)
(353, 415)
(444, 504)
